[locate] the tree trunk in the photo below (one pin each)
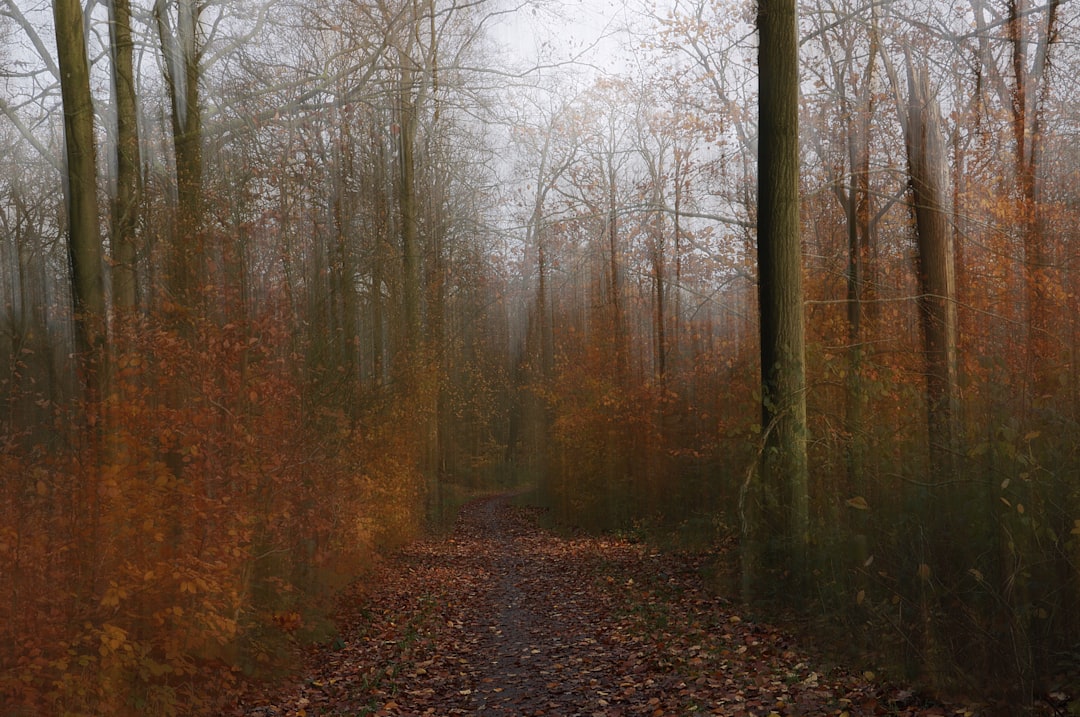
(936, 267)
(1043, 287)
(85, 257)
(676, 236)
(410, 250)
(858, 221)
(344, 211)
(776, 518)
(382, 189)
(125, 209)
(182, 57)
(84, 245)
(611, 228)
(657, 259)
(936, 270)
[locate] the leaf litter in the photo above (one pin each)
(505, 618)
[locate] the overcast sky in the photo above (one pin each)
(556, 31)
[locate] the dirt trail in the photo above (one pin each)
(541, 638)
(503, 618)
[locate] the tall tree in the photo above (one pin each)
(125, 208)
(407, 207)
(84, 247)
(181, 47)
(936, 270)
(777, 519)
(936, 264)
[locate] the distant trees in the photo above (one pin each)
(844, 117)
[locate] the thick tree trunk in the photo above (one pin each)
(777, 517)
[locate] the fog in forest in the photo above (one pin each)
(283, 285)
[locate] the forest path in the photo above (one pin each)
(504, 618)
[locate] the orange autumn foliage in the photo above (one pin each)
(201, 529)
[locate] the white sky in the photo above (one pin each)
(549, 31)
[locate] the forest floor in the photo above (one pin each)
(505, 618)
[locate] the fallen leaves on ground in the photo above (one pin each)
(504, 618)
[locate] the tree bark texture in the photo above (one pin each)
(779, 533)
(84, 244)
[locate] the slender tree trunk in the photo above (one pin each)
(928, 172)
(536, 413)
(534, 235)
(858, 221)
(126, 203)
(180, 47)
(382, 187)
(414, 354)
(676, 339)
(543, 311)
(1045, 298)
(344, 210)
(936, 267)
(659, 312)
(410, 249)
(776, 517)
(378, 350)
(1043, 287)
(658, 259)
(440, 443)
(614, 285)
